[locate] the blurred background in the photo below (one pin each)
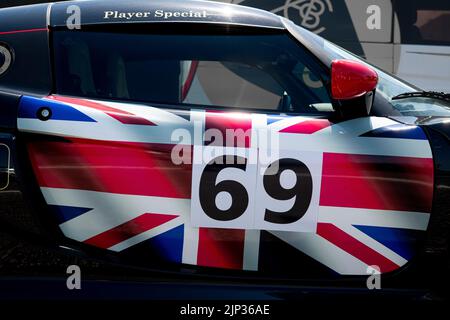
(409, 38)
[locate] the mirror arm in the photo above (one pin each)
(354, 108)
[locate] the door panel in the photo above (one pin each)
(4, 166)
(120, 177)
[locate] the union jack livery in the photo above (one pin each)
(111, 183)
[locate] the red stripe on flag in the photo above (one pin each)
(307, 127)
(115, 167)
(221, 248)
(120, 115)
(128, 230)
(354, 247)
(130, 119)
(234, 129)
(377, 182)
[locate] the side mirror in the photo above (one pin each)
(351, 79)
(352, 87)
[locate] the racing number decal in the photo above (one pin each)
(288, 190)
(223, 187)
(301, 190)
(230, 189)
(209, 190)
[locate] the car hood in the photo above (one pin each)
(440, 124)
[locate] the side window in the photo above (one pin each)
(424, 22)
(249, 71)
(230, 84)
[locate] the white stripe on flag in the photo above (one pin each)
(190, 244)
(251, 250)
(109, 210)
(356, 145)
(375, 218)
(147, 235)
(373, 244)
(324, 252)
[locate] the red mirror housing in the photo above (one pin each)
(351, 79)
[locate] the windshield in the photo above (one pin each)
(388, 86)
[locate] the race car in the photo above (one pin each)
(215, 139)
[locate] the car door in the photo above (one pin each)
(221, 151)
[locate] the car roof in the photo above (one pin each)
(95, 12)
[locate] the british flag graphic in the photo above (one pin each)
(105, 170)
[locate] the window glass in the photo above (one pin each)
(255, 71)
(389, 86)
(422, 107)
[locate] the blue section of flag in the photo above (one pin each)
(401, 241)
(169, 244)
(29, 107)
(275, 118)
(65, 213)
(398, 131)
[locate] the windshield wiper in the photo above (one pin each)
(424, 94)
